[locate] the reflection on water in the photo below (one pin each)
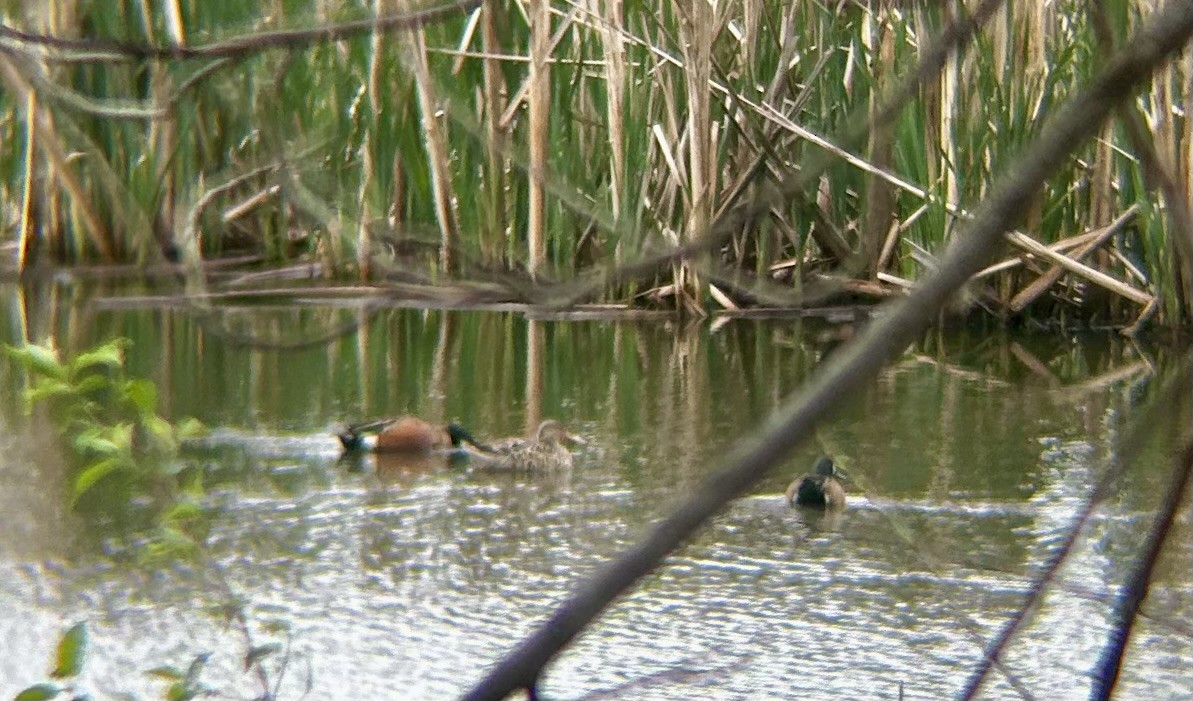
(406, 578)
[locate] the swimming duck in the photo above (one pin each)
(821, 489)
(406, 434)
(547, 452)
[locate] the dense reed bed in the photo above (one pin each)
(543, 142)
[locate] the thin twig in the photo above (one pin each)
(1106, 673)
(241, 46)
(1131, 446)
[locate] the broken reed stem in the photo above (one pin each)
(26, 235)
(368, 166)
(696, 32)
(1095, 276)
(613, 49)
(435, 145)
(493, 232)
(1041, 284)
(539, 103)
(50, 146)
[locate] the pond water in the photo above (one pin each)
(970, 456)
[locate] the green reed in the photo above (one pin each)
(362, 152)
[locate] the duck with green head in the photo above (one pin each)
(821, 489)
(406, 434)
(549, 450)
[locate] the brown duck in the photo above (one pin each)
(548, 451)
(406, 434)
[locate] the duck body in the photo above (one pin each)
(406, 434)
(822, 489)
(546, 452)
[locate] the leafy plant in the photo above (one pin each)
(107, 422)
(68, 664)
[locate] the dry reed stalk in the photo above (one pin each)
(435, 144)
(950, 79)
(1059, 246)
(1026, 296)
(616, 81)
(1160, 174)
(1102, 192)
(368, 167)
(495, 163)
(879, 215)
(751, 27)
(539, 104)
(1095, 276)
(164, 131)
(696, 34)
(28, 225)
(49, 145)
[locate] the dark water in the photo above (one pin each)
(971, 456)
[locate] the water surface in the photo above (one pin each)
(406, 581)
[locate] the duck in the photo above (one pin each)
(405, 434)
(821, 489)
(547, 452)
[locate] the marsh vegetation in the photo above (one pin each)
(648, 153)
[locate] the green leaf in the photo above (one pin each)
(159, 436)
(189, 428)
(39, 692)
(72, 649)
(167, 672)
(40, 360)
(143, 396)
(185, 510)
(109, 355)
(97, 441)
(260, 652)
(95, 472)
(47, 388)
(180, 691)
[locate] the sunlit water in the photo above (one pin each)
(409, 581)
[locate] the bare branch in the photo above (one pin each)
(237, 47)
(860, 362)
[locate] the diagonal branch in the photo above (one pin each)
(857, 364)
(1108, 668)
(237, 47)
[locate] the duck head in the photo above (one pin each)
(460, 435)
(552, 431)
(825, 467)
(351, 439)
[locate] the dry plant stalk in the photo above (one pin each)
(49, 144)
(539, 104)
(613, 49)
(163, 132)
(435, 144)
(879, 207)
(495, 163)
(1025, 297)
(696, 34)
